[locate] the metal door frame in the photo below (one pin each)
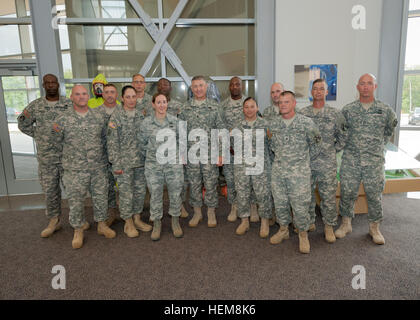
(9, 184)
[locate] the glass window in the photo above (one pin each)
(212, 9)
(410, 109)
(214, 50)
(19, 41)
(107, 8)
(412, 54)
(414, 5)
(8, 8)
(93, 51)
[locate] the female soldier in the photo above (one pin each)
(124, 153)
(253, 177)
(159, 168)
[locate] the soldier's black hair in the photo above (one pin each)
(250, 98)
(124, 89)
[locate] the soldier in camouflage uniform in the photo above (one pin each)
(36, 121)
(202, 113)
(370, 124)
(124, 153)
(231, 112)
(160, 172)
(330, 122)
(174, 108)
(295, 141)
(81, 133)
(273, 110)
(110, 95)
(259, 181)
(144, 100)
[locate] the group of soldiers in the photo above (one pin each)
(99, 144)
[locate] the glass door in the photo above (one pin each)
(19, 166)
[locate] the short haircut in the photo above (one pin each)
(136, 75)
(165, 80)
(157, 94)
(318, 81)
(288, 92)
(198, 78)
(110, 85)
(125, 88)
(250, 98)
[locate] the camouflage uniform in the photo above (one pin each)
(231, 112)
(363, 158)
(206, 117)
(293, 146)
(330, 122)
(36, 121)
(260, 183)
(145, 105)
(83, 140)
(271, 111)
(174, 107)
(157, 175)
(112, 194)
(124, 152)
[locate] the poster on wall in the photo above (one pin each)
(306, 74)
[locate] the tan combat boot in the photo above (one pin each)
(77, 242)
(265, 228)
(197, 217)
(53, 225)
(233, 213)
(129, 228)
(184, 212)
(304, 246)
(176, 228)
(254, 213)
(377, 236)
(329, 233)
(344, 228)
(211, 217)
(106, 231)
(281, 235)
(157, 227)
(142, 226)
(243, 227)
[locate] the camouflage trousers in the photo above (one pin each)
(132, 191)
(50, 176)
(185, 185)
(77, 184)
(326, 179)
(112, 194)
(291, 189)
(157, 176)
(373, 178)
(249, 186)
(196, 175)
(228, 172)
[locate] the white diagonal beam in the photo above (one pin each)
(163, 36)
(166, 48)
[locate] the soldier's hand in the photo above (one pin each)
(220, 162)
(118, 172)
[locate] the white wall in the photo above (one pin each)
(320, 32)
